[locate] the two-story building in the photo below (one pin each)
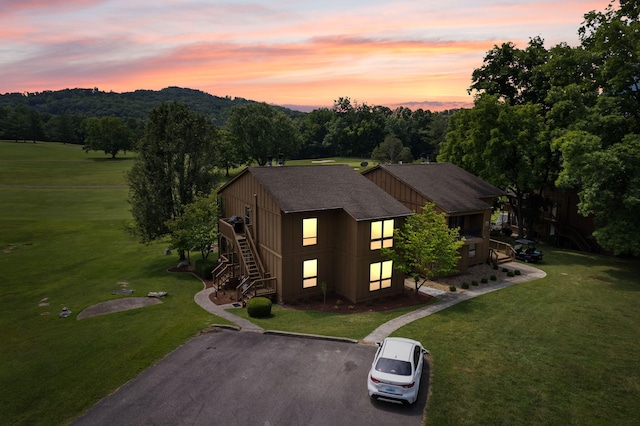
(293, 231)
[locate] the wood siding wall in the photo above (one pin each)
(415, 201)
(342, 250)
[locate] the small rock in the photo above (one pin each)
(183, 264)
(123, 291)
(157, 294)
(64, 313)
(167, 251)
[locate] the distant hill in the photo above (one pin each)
(138, 104)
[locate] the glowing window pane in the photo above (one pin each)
(309, 231)
(310, 273)
(387, 269)
(376, 230)
(388, 229)
(374, 272)
(310, 268)
(380, 275)
(382, 234)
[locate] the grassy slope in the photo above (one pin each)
(561, 350)
(68, 246)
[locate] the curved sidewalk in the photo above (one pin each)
(202, 299)
(445, 300)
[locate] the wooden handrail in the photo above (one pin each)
(246, 286)
(254, 250)
(502, 247)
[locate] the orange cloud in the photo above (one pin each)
(295, 53)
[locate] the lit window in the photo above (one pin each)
(380, 275)
(309, 231)
(310, 273)
(381, 234)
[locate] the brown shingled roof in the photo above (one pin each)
(326, 187)
(450, 187)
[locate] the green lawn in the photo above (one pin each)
(561, 350)
(63, 247)
(353, 326)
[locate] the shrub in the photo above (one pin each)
(510, 274)
(452, 288)
(259, 307)
(493, 278)
(505, 270)
(465, 285)
(474, 282)
(484, 281)
(495, 267)
(517, 272)
(204, 267)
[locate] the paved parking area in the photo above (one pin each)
(247, 378)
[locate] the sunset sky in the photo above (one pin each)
(416, 53)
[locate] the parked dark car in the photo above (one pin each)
(526, 251)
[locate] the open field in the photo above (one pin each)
(66, 247)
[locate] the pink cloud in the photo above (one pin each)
(399, 51)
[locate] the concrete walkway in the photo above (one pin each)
(445, 300)
(202, 299)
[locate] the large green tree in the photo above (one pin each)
(197, 227)
(514, 74)
(425, 247)
(508, 146)
(175, 162)
(262, 132)
(609, 179)
(391, 151)
(108, 134)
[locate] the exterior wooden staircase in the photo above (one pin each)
(249, 259)
(500, 252)
(241, 267)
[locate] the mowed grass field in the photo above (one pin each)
(556, 351)
(63, 244)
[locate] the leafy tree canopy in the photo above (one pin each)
(197, 227)
(425, 246)
(108, 134)
(175, 162)
(262, 132)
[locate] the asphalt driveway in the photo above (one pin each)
(247, 378)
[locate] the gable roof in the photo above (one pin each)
(450, 187)
(327, 187)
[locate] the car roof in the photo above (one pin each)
(398, 348)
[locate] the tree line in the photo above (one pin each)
(347, 129)
(564, 117)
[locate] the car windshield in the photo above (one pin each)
(393, 366)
